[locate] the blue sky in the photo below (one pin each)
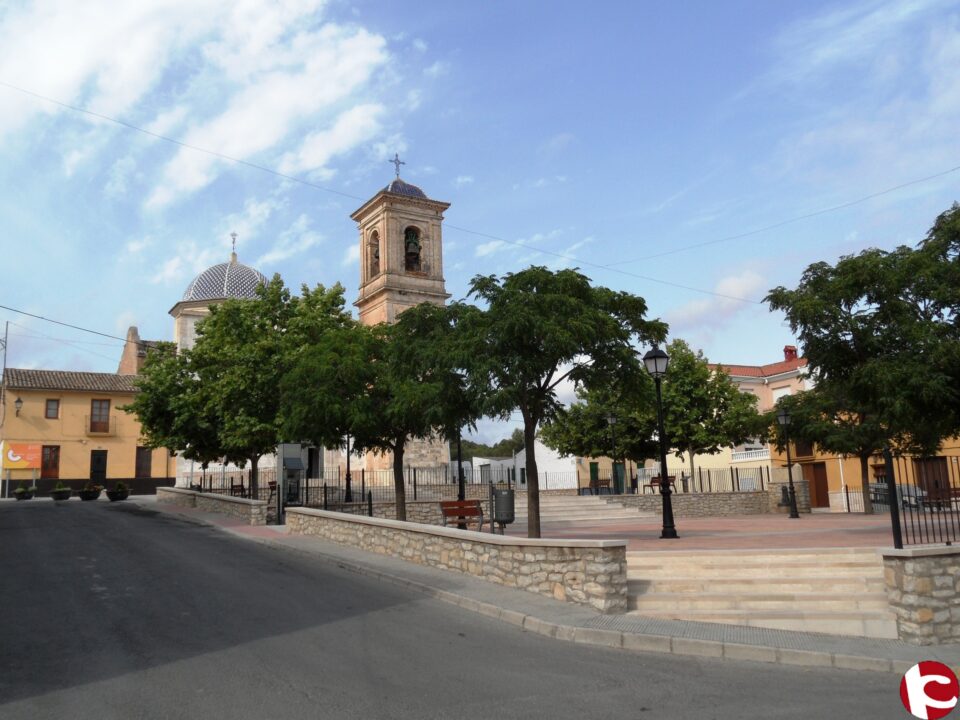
(611, 134)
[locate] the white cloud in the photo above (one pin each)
(351, 128)
(351, 256)
(171, 270)
(557, 143)
(462, 180)
(718, 310)
(248, 223)
(134, 247)
(120, 173)
(440, 67)
(419, 45)
(489, 248)
(294, 240)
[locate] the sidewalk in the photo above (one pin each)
(572, 623)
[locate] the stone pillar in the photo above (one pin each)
(778, 478)
(923, 589)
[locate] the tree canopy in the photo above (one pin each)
(542, 327)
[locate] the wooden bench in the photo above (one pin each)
(654, 484)
(462, 512)
(598, 484)
(238, 490)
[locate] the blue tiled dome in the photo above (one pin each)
(399, 187)
(226, 280)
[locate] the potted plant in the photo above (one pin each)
(120, 492)
(61, 491)
(91, 491)
(23, 492)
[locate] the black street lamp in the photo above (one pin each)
(783, 417)
(18, 404)
(612, 422)
(656, 362)
(348, 492)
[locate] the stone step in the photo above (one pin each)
(756, 573)
(873, 624)
(640, 585)
(741, 555)
(787, 602)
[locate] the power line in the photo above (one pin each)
(72, 327)
(564, 256)
(798, 218)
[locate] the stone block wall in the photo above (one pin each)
(923, 588)
(584, 572)
(800, 487)
(425, 512)
(252, 512)
(177, 496)
(699, 504)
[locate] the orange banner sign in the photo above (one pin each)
(21, 456)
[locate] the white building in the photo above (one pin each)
(555, 471)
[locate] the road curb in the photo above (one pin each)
(598, 637)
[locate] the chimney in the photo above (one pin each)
(130, 359)
(789, 352)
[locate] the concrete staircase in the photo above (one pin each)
(557, 509)
(837, 591)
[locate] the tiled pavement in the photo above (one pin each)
(567, 622)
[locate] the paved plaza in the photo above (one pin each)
(814, 530)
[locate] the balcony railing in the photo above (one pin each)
(750, 455)
(99, 426)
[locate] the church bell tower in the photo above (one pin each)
(401, 265)
(401, 252)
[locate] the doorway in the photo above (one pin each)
(98, 466)
(816, 476)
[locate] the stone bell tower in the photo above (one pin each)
(401, 252)
(401, 265)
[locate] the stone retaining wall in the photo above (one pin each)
(923, 588)
(253, 512)
(584, 572)
(699, 504)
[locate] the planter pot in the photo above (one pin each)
(24, 496)
(61, 494)
(115, 495)
(88, 495)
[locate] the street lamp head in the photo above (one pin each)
(18, 403)
(656, 362)
(611, 419)
(783, 416)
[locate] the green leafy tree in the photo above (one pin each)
(880, 336)
(541, 328)
(171, 407)
(704, 410)
(240, 360)
(583, 429)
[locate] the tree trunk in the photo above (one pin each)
(533, 478)
(692, 468)
(865, 483)
(399, 484)
(254, 476)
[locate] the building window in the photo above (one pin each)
(144, 460)
(100, 416)
(803, 448)
(52, 410)
(50, 462)
(374, 251)
(411, 245)
(780, 392)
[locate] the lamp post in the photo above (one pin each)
(348, 491)
(656, 362)
(783, 417)
(612, 422)
(18, 403)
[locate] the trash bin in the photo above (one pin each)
(503, 506)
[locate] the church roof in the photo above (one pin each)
(399, 187)
(225, 280)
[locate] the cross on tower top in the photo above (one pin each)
(397, 162)
(233, 252)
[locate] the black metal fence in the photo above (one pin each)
(708, 480)
(927, 502)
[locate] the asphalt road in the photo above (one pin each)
(111, 611)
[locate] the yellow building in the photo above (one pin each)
(68, 426)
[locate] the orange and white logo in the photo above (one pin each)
(929, 690)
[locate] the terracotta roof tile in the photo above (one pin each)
(768, 370)
(16, 378)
